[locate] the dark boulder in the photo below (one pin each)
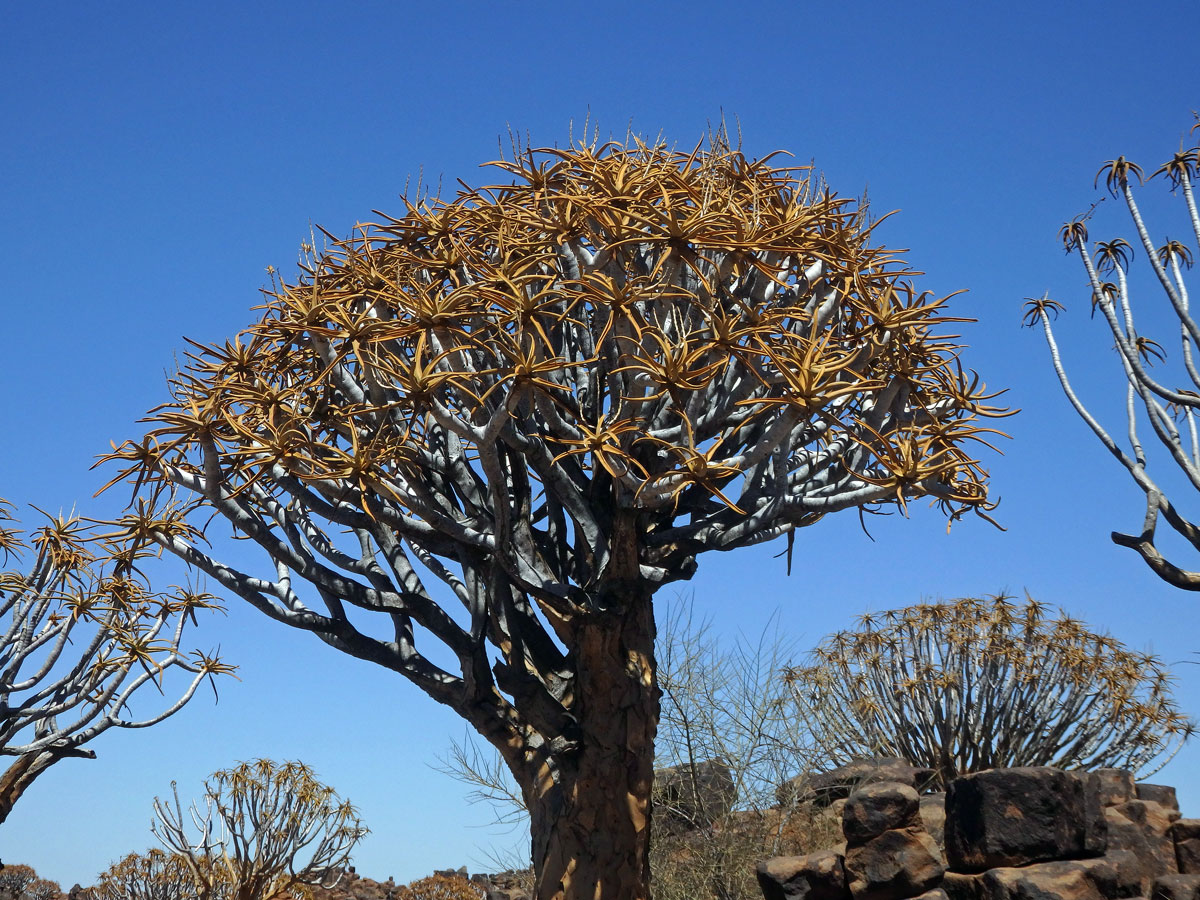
(897, 864)
(823, 788)
(817, 876)
(694, 795)
(1014, 817)
(876, 808)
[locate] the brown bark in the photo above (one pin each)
(21, 774)
(590, 823)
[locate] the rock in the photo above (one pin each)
(933, 815)
(1084, 879)
(935, 894)
(1162, 794)
(1013, 817)
(825, 787)
(1186, 834)
(876, 808)
(896, 864)
(961, 887)
(1146, 830)
(694, 796)
(1176, 887)
(818, 876)
(1116, 786)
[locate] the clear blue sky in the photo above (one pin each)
(157, 158)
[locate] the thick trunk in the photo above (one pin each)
(22, 772)
(590, 824)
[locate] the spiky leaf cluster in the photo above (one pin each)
(81, 631)
(1167, 399)
(976, 684)
(265, 828)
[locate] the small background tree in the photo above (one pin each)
(265, 828)
(21, 882)
(440, 887)
(985, 683)
(154, 875)
(1170, 410)
(80, 633)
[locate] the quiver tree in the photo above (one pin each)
(502, 422)
(154, 875)
(264, 829)
(977, 684)
(81, 633)
(1170, 410)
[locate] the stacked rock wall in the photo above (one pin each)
(1009, 834)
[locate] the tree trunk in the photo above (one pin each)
(22, 772)
(590, 825)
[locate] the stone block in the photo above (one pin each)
(933, 815)
(1176, 887)
(1162, 794)
(817, 876)
(1146, 830)
(1186, 834)
(696, 795)
(897, 864)
(1018, 816)
(876, 808)
(1083, 879)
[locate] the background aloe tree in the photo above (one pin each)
(501, 423)
(154, 875)
(80, 633)
(1170, 410)
(977, 684)
(264, 829)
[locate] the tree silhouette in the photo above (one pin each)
(502, 422)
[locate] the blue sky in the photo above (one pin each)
(158, 157)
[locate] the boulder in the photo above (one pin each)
(823, 788)
(1176, 887)
(1186, 834)
(894, 865)
(875, 808)
(1146, 830)
(1014, 817)
(1084, 879)
(817, 876)
(1162, 794)
(694, 795)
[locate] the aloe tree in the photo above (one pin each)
(1151, 399)
(500, 423)
(985, 683)
(80, 633)
(262, 829)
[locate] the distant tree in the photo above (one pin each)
(13, 880)
(80, 632)
(1170, 410)
(154, 875)
(550, 396)
(265, 828)
(440, 887)
(986, 683)
(19, 882)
